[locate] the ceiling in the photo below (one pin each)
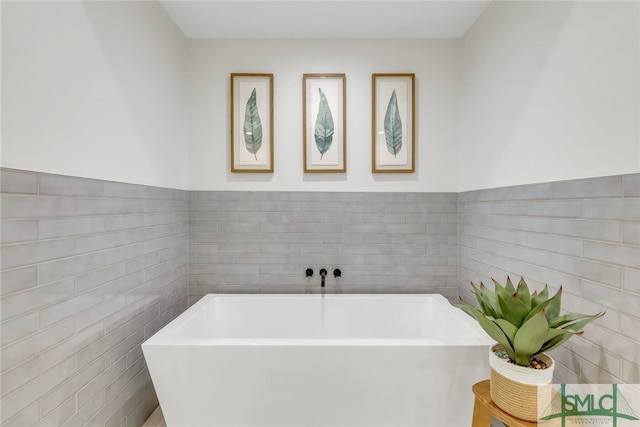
(324, 18)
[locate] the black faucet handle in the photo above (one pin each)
(337, 273)
(309, 272)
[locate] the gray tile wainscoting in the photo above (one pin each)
(90, 269)
(262, 242)
(583, 235)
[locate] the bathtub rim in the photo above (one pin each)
(165, 336)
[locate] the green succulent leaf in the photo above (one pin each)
(490, 327)
(568, 319)
(513, 310)
(252, 126)
(553, 333)
(509, 329)
(539, 298)
(324, 129)
(579, 325)
(393, 126)
(553, 308)
(497, 286)
(486, 300)
(558, 340)
(477, 291)
(523, 294)
(530, 338)
(501, 292)
(537, 309)
(508, 287)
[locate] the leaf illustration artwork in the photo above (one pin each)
(252, 126)
(324, 125)
(393, 126)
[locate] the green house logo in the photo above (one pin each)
(593, 405)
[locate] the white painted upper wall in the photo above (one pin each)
(535, 91)
(434, 62)
(95, 89)
(550, 92)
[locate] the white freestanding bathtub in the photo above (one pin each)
(318, 360)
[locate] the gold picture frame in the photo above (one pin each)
(251, 122)
(393, 123)
(324, 122)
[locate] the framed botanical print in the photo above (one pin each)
(393, 128)
(251, 122)
(324, 122)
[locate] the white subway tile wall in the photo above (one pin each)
(90, 269)
(262, 242)
(580, 234)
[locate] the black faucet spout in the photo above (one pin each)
(323, 273)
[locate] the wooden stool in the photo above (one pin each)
(484, 409)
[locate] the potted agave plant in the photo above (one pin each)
(525, 325)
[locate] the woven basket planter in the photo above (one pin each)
(520, 391)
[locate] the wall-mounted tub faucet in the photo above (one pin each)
(323, 273)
